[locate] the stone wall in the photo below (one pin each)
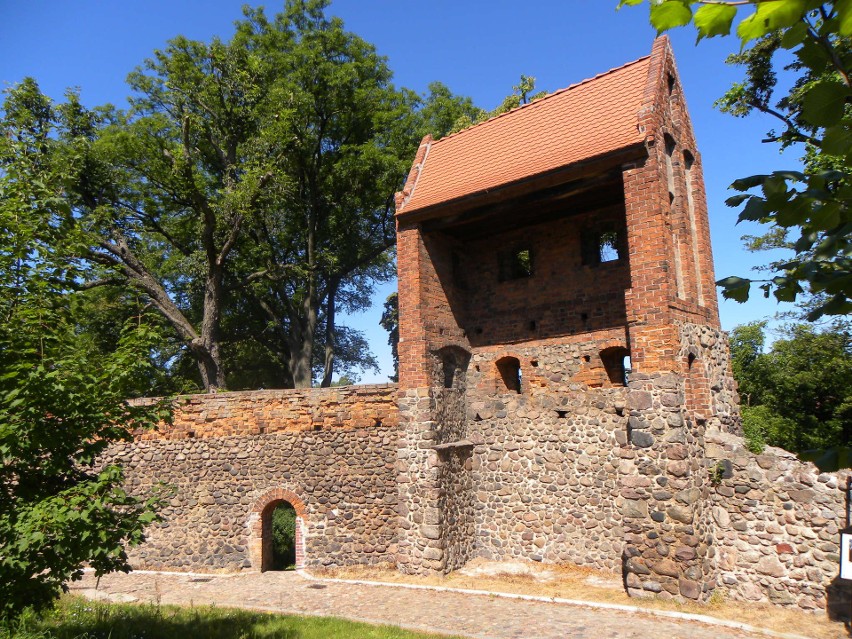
(333, 450)
(777, 523)
(546, 476)
(668, 543)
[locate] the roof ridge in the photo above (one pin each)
(543, 98)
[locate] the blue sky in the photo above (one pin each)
(477, 47)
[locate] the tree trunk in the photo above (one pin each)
(210, 363)
(301, 342)
(330, 308)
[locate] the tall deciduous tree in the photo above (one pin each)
(809, 212)
(345, 147)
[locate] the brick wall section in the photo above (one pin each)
(564, 297)
(276, 411)
(659, 229)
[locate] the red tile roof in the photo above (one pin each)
(586, 120)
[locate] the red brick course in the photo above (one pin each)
(277, 411)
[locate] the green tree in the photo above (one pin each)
(807, 211)
(245, 194)
(796, 395)
(390, 322)
(283, 537)
(62, 398)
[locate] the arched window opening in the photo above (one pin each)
(451, 367)
(510, 372)
(613, 359)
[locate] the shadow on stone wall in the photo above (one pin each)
(838, 604)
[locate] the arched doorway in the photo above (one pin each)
(279, 537)
(277, 515)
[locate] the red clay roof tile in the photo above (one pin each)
(586, 120)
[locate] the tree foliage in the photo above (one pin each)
(796, 395)
(245, 194)
(283, 537)
(808, 211)
(390, 322)
(62, 396)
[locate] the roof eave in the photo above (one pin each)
(529, 183)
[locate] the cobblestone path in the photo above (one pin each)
(469, 615)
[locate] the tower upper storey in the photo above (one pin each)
(579, 218)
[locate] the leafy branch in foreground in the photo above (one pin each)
(811, 209)
(61, 399)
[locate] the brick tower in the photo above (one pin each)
(560, 350)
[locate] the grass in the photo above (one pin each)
(78, 618)
(587, 584)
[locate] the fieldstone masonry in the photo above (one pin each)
(341, 478)
(565, 389)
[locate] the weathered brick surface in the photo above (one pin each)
(276, 411)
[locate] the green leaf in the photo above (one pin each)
(824, 103)
(826, 217)
(753, 211)
(714, 20)
(837, 140)
(670, 14)
(794, 36)
(769, 16)
(735, 200)
(735, 288)
(629, 3)
(746, 183)
(844, 16)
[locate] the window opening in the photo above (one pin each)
(613, 360)
(516, 264)
(608, 246)
(671, 83)
(449, 374)
(601, 245)
(670, 149)
(452, 363)
(510, 372)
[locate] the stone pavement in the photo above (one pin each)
(470, 615)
